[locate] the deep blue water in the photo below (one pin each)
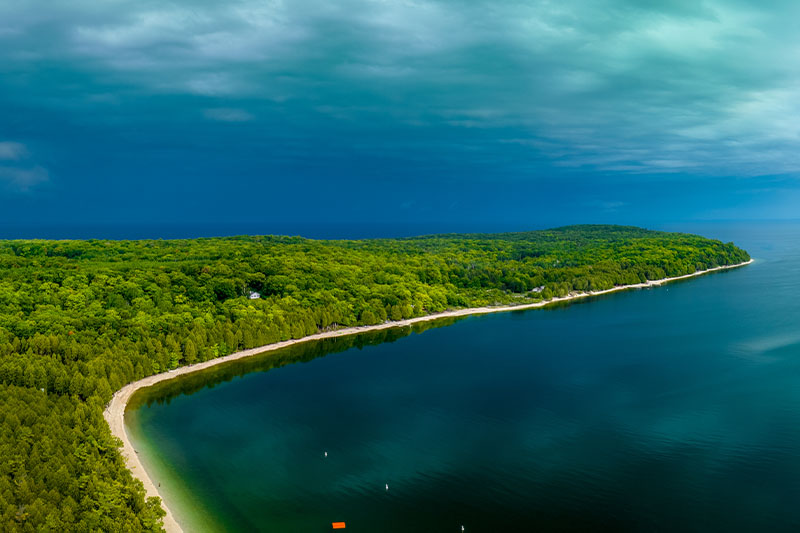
(669, 409)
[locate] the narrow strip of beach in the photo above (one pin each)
(115, 410)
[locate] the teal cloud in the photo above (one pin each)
(633, 89)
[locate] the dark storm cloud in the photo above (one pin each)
(17, 169)
(511, 90)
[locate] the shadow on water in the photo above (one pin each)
(187, 384)
(610, 295)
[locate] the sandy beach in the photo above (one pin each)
(114, 413)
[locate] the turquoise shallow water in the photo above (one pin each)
(669, 409)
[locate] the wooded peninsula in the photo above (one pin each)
(80, 319)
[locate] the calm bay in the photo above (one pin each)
(673, 408)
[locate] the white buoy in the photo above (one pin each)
(462, 528)
(387, 486)
(326, 454)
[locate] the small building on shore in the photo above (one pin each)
(254, 295)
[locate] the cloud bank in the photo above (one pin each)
(638, 90)
(17, 170)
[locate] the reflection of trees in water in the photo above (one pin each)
(298, 353)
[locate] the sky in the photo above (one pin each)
(278, 116)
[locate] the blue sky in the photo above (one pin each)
(268, 115)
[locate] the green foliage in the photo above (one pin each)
(61, 470)
(79, 319)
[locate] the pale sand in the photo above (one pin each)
(115, 411)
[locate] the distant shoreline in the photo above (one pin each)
(115, 410)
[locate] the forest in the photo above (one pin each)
(80, 319)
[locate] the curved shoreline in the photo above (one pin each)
(115, 410)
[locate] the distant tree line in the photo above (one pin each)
(80, 319)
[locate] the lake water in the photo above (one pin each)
(670, 409)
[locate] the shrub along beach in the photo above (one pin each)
(81, 319)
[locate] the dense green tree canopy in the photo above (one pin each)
(79, 319)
